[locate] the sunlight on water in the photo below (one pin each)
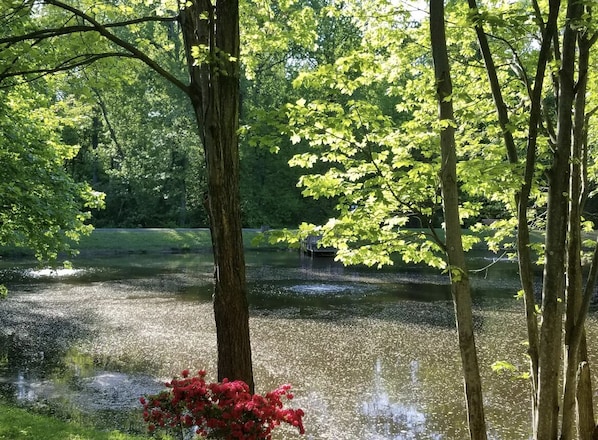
(323, 289)
(368, 360)
(389, 417)
(55, 272)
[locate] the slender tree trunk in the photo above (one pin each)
(523, 234)
(214, 92)
(556, 235)
(456, 258)
(524, 254)
(574, 292)
(586, 421)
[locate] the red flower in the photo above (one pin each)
(226, 409)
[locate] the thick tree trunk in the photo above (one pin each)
(456, 258)
(214, 91)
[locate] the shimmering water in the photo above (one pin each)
(371, 354)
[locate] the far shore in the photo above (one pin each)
(113, 241)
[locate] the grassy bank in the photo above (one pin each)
(20, 424)
(154, 240)
(157, 240)
(114, 241)
(145, 240)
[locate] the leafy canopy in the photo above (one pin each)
(42, 207)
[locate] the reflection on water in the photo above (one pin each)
(390, 419)
(319, 289)
(371, 354)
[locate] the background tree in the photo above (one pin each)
(42, 207)
(282, 38)
(141, 150)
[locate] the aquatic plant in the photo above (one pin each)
(222, 410)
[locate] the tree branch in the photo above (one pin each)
(66, 30)
(71, 63)
(103, 30)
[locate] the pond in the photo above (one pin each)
(371, 354)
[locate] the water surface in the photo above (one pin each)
(371, 354)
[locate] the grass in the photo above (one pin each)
(155, 240)
(20, 424)
(146, 240)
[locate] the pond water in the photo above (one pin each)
(370, 353)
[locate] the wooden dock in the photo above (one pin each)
(311, 246)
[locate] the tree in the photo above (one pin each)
(283, 39)
(42, 207)
(140, 148)
(211, 40)
(565, 121)
(459, 278)
(213, 31)
(524, 143)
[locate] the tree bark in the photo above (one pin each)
(586, 421)
(456, 257)
(523, 234)
(574, 320)
(214, 92)
(585, 417)
(556, 235)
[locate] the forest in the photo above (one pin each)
(391, 129)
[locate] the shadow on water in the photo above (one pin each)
(33, 340)
(346, 301)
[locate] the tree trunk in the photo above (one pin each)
(521, 199)
(526, 270)
(556, 236)
(456, 258)
(214, 92)
(574, 322)
(586, 422)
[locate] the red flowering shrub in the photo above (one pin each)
(225, 410)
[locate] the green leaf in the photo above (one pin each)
(503, 367)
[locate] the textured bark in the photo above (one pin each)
(214, 92)
(545, 348)
(523, 235)
(456, 258)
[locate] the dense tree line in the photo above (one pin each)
(138, 144)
